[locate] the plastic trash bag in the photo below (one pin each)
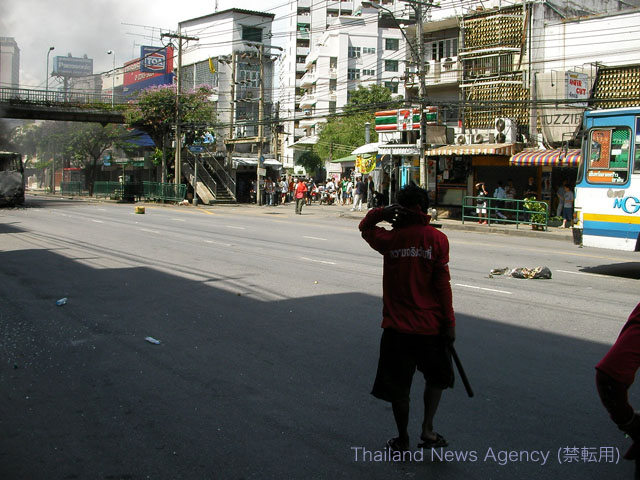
(534, 273)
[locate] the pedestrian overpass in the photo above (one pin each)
(75, 106)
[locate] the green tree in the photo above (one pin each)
(155, 113)
(311, 161)
(344, 133)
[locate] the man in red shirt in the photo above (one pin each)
(614, 375)
(417, 315)
(300, 194)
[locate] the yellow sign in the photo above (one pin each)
(365, 163)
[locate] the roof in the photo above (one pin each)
(348, 158)
(231, 10)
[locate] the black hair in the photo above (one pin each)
(412, 195)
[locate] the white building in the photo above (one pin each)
(333, 47)
(9, 63)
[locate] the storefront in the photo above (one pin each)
(452, 170)
(551, 167)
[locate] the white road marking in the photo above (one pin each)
(178, 219)
(237, 228)
(147, 230)
(97, 221)
(482, 288)
(218, 243)
(314, 238)
(318, 261)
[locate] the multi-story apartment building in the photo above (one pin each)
(231, 51)
(332, 48)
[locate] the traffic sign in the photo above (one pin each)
(196, 148)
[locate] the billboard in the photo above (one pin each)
(72, 66)
(154, 67)
(156, 59)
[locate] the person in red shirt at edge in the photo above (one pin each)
(300, 194)
(417, 313)
(614, 375)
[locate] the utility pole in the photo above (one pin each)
(260, 124)
(422, 93)
(178, 157)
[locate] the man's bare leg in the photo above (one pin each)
(431, 402)
(401, 416)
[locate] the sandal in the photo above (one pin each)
(393, 445)
(439, 442)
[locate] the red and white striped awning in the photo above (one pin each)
(540, 158)
(477, 149)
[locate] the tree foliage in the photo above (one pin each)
(342, 134)
(310, 160)
(155, 113)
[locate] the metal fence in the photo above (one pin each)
(169, 192)
(71, 188)
(506, 211)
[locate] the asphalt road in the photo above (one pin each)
(269, 331)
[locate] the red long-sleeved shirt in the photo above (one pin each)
(416, 284)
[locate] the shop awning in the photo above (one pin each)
(305, 142)
(368, 148)
(540, 158)
(348, 158)
(479, 149)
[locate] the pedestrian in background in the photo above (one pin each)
(560, 197)
(481, 203)
(300, 194)
(417, 314)
(567, 208)
(358, 193)
(500, 194)
(371, 189)
(615, 373)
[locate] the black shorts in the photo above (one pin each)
(400, 355)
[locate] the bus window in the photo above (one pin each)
(608, 157)
(636, 160)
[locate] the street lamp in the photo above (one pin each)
(113, 76)
(417, 7)
(46, 88)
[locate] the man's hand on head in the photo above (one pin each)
(395, 214)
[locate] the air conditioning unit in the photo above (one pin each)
(478, 138)
(461, 139)
(505, 130)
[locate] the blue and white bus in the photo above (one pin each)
(607, 202)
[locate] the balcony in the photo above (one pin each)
(301, 67)
(302, 51)
(308, 100)
(308, 79)
(308, 123)
(444, 71)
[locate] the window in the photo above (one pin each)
(301, 59)
(333, 62)
(391, 43)
(368, 50)
(354, 52)
(353, 74)
(391, 86)
(636, 163)
(441, 49)
(608, 155)
(368, 72)
(391, 65)
(333, 85)
(252, 34)
(332, 107)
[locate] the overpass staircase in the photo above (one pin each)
(214, 184)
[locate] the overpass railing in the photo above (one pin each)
(47, 97)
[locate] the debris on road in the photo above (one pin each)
(62, 301)
(522, 272)
(152, 340)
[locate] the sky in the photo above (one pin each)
(93, 27)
